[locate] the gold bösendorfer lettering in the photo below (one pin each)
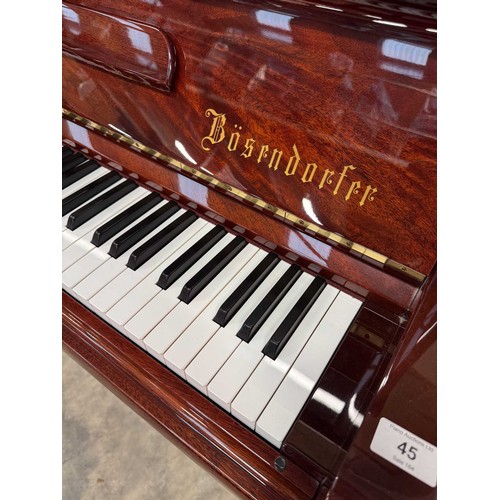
(293, 162)
(276, 156)
(354, 189)
(327, 177)
(233, 141)
(369, 191)
(309, 172)
(263, 152)
(248, 148)
(217, 132)
(342, 175)
(345, 186)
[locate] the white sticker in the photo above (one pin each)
(405, 450)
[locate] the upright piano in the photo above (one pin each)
(249, 233)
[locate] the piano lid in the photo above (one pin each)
(330, 122)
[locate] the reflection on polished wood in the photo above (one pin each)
(377, 112)
(307, 90)
(287, 217)
(132, 50)
(316, 256)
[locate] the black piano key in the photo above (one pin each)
(171, 273)
(91, 209)
(67, 165)
(78, 172)
(205, 275)
(73, 161)
(66, 152)
(268, 304)
(124, 219)
(87, 192)
(148, 249)
(234, 302)
(292, 320)
(135, 234)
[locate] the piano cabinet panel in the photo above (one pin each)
(213, 438)
(318, 443)
(131, 50)
(376, 111)
(343, 89)
(335, 410)
(408, 398)
(339, 267)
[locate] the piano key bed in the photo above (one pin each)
(250, 331)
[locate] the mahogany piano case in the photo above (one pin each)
(295, 136)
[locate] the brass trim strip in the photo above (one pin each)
(335, 238)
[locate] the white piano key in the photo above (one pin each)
(287, 402)
(232, 376)
(219, 348)
(147, 304)
(98, 255)
(112, 269)
(142, 300)
(83, 182)
(155, 303)
(184, 314)
(66, 217)
(193, 339)
(173, 325)
(265, 395)
(260, 387)
(122, 283)
(72, 236)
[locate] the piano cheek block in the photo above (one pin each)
(129, 49)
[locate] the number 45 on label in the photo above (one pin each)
(411, 452)
(405, 450)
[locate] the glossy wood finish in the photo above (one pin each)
(342, 87)
(343, 270)
(208, 434)
(408, 398)
(416, 16)
(346, 89)
(125, 48)
(320, 439)
(330, 419)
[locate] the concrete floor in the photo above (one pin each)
(109, 452)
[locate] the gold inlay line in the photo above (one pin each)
(308, 227)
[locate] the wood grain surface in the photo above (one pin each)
(344, 270)
(131, 50)
(358, 102)
(327, 110)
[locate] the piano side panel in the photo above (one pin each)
(209, 435)
(408, 397)
(336, 408)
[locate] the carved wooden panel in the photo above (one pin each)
(129, 49)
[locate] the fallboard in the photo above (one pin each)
(328, 120)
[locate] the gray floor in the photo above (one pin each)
(110, 453)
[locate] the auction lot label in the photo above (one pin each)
(405, 450)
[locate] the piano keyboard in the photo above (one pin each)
(251, 332)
